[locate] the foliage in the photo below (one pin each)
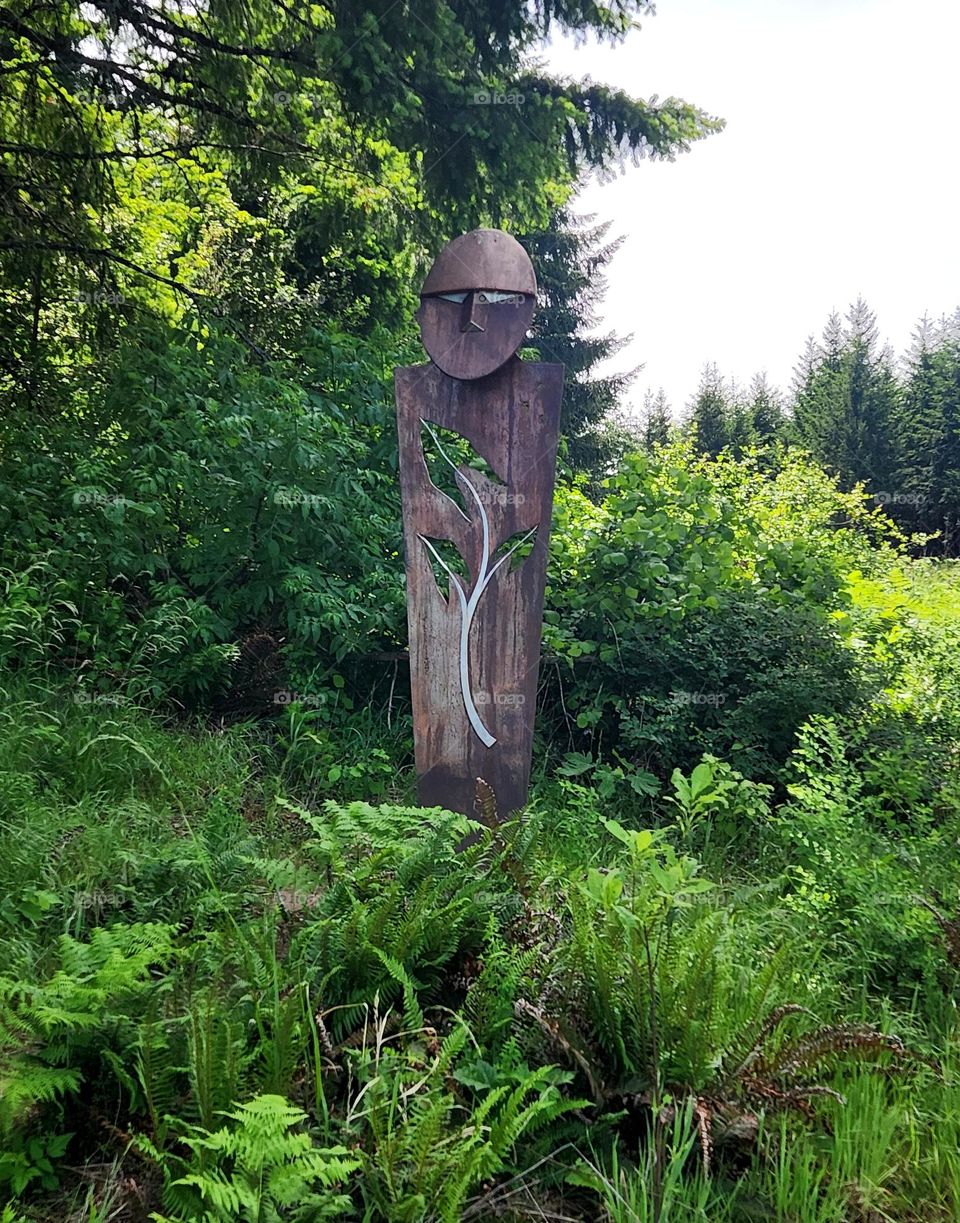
(244, 977)
(261, 1170)
(719, 802)
(888, 427)
(268, 175)
(401, 904)
(199, 920)
(212, 229)
(191, 540)
(626, 1192)
(570, 256)
(704, 606)
(429, 1152)
(656, 421)
(707, 417)
(238, 94)
(81, 1017)
(847, 403)
(26, 1160)
(197, 934)
(927, 436)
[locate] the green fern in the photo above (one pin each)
(400, 909)
(86, 1010)
(26, 1083)
(217, 1053)
(651, 987)
(488, 1007)
(262, 1169)
(157, 1067)
(427, 1149)
(412, 1014)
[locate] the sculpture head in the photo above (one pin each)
(477, 303)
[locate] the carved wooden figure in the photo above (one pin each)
(476, 532)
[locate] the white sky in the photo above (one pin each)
(837, 175)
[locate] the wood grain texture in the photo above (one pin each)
(511, 418)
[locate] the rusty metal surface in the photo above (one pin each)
(472, 339)
(482, 259)
(511, 419)
(477, 303)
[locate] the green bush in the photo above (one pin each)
(202, 503)
(706, 605)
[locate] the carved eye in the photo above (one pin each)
(495, 297)
(492, 297)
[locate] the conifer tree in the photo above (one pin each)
(846, 405)
(766, 410)
(928, 476)
(818, 411)
(656, 419)
(570, 257)
(806, 366)
(740, 432)
(708, 413)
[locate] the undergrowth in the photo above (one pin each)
(233, 991)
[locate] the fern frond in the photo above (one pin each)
(24, 1084)
(264, 1161)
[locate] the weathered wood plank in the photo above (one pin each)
(511, 418)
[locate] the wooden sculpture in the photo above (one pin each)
(476, 550)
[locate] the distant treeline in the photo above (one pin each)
(891, 425)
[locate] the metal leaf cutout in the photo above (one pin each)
(518, 547)
(443, 451)
(445, 559)
(467, 598)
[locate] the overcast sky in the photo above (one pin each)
(837, 175)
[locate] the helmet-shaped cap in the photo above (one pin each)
(481, 259)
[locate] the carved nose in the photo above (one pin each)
(468, 320)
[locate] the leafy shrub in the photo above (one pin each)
(848, 874)
(716, 804)
(199, 500)
(320, 757)
(24, 1160)
(705, 605)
